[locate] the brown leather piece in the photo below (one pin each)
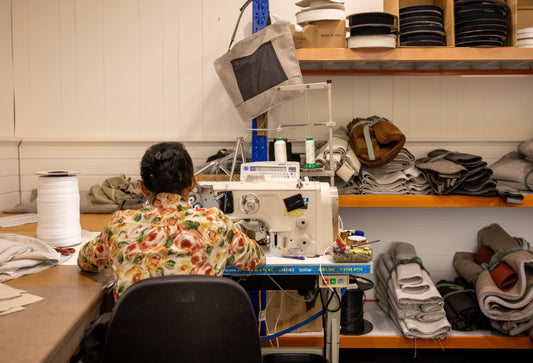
(503, 275)
(387, 141)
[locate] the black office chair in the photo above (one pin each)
(186, 318)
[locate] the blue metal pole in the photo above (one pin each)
(259, 21)
(259, 148)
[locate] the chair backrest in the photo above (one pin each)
(183, 318)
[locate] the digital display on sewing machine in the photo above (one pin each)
(271, 170)
(267, 168)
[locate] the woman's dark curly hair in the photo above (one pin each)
(167, 167)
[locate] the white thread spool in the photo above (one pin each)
(310, 161)
(310, 151)
(280, 150)
(58, 209)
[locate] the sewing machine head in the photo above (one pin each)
(293, 217)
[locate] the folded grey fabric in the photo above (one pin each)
(444, 176)
(22, 255)
(514, 170)
(407, 294)
(526, 149)
(349, 187)
(469, 161)
(404, 160)
(513, 328)
(409, 272)
(407, 182)
(508, 193)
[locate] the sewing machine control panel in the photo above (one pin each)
(271, 170)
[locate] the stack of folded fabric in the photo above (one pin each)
(399, 176)
(513, 172)
(405, 291)
(22, 255)
(504, 285)
(457, 173)
(461, 306)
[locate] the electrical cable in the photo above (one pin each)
(294, 327)
(286, 292)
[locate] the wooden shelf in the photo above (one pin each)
(394, 342)
(385, 334)
(416, 60)
(427, 201)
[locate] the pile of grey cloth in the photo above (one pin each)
(406, 293)
(513, 172)
(457, 173)
(511, 310)
(399, 176)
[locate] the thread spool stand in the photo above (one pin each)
(352, 314)
(330, 124)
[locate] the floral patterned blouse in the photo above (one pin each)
(168, 238)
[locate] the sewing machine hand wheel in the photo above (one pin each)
(249, 203)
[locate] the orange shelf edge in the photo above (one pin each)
(394, 342)
(414, 54)
(431, 201)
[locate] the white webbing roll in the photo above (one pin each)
(58, 210)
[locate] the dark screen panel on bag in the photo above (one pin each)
(258, 72)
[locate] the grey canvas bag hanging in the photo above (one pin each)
(252, 70)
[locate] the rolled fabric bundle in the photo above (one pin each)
(466, 266)
(503, 275)
(496, 238)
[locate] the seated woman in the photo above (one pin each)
(169, 237)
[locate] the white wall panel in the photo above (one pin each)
(122, 68)
(95, 161)
(9, 174)
(7, 125)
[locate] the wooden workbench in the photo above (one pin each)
(51, 330)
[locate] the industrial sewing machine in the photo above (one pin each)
(292, 217)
